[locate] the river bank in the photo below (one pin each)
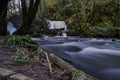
(37, 67)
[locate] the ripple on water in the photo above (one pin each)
(72, 48)
(111, 73)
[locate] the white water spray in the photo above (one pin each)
(11, 28)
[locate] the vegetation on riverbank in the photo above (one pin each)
(30, 59)
(85, 18)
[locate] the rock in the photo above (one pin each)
(113, 40)
(5, 72)
(19, 77)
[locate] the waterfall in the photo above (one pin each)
(11, 28)
(58, 25)
(64, 35)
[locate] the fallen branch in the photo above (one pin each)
(75, 74)
(49, 64)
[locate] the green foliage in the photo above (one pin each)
(105, 13)
(105, 31)
(77, 73)
(20, 57)
(18, 40)
(83, 14)
(97, 31)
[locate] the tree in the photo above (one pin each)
(28, 15)
(3, 14)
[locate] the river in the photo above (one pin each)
(97, 57)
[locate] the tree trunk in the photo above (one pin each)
(3, 24)
(29, 15)
(117, 19)
(75, 74)
(3, 14)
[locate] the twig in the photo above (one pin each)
(49, 64)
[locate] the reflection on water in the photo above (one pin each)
(97, 57)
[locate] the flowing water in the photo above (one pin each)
(97, 57)
(11, 28)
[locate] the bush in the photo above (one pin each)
(18, 40)
(20, 57)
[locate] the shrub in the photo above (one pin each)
(20, 57)
(18, 40)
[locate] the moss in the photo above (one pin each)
(78, 73)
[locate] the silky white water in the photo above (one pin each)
(11, 28)
(97, 57)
